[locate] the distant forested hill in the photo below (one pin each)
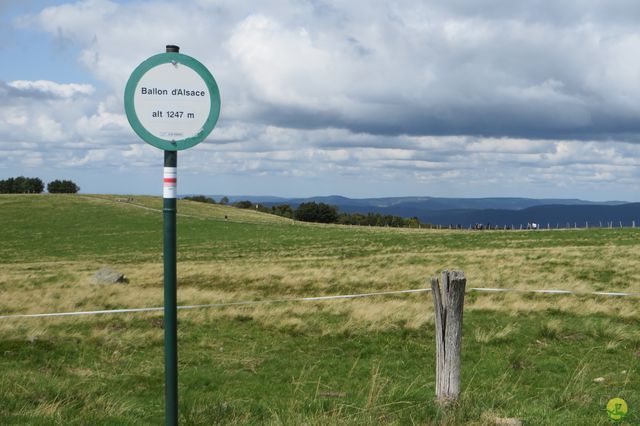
(545, 215)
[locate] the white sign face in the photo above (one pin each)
(172, 101)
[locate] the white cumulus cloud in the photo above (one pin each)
(50, 88)
(413, 97)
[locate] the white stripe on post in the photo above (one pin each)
(170, 187)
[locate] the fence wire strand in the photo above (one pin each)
(316, 299)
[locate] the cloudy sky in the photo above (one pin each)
(363, 99)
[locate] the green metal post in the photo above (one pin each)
(170, 289)
(170, 283)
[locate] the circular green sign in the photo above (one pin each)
(172, 101)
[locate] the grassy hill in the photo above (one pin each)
(364, 361)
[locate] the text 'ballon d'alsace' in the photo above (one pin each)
(172, 101)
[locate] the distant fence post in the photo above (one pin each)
(448, 301)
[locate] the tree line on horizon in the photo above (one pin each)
(320, 213)
(26, 185)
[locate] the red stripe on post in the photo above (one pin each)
(170, 180)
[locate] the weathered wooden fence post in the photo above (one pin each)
(448, 302)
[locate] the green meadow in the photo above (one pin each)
(540, 359)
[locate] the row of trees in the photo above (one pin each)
(324, 213)
(62, 187)
(316, 212)
(21, 185)
(25, 185)
(205, 199)
(201, 199)
(377, 219)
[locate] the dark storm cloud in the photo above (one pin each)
(543, 120)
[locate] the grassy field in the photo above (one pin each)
(364, 361)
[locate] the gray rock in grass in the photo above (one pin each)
(108, 276)
(508, 421)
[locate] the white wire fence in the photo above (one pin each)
(316, 299)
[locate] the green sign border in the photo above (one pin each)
(132, 116)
